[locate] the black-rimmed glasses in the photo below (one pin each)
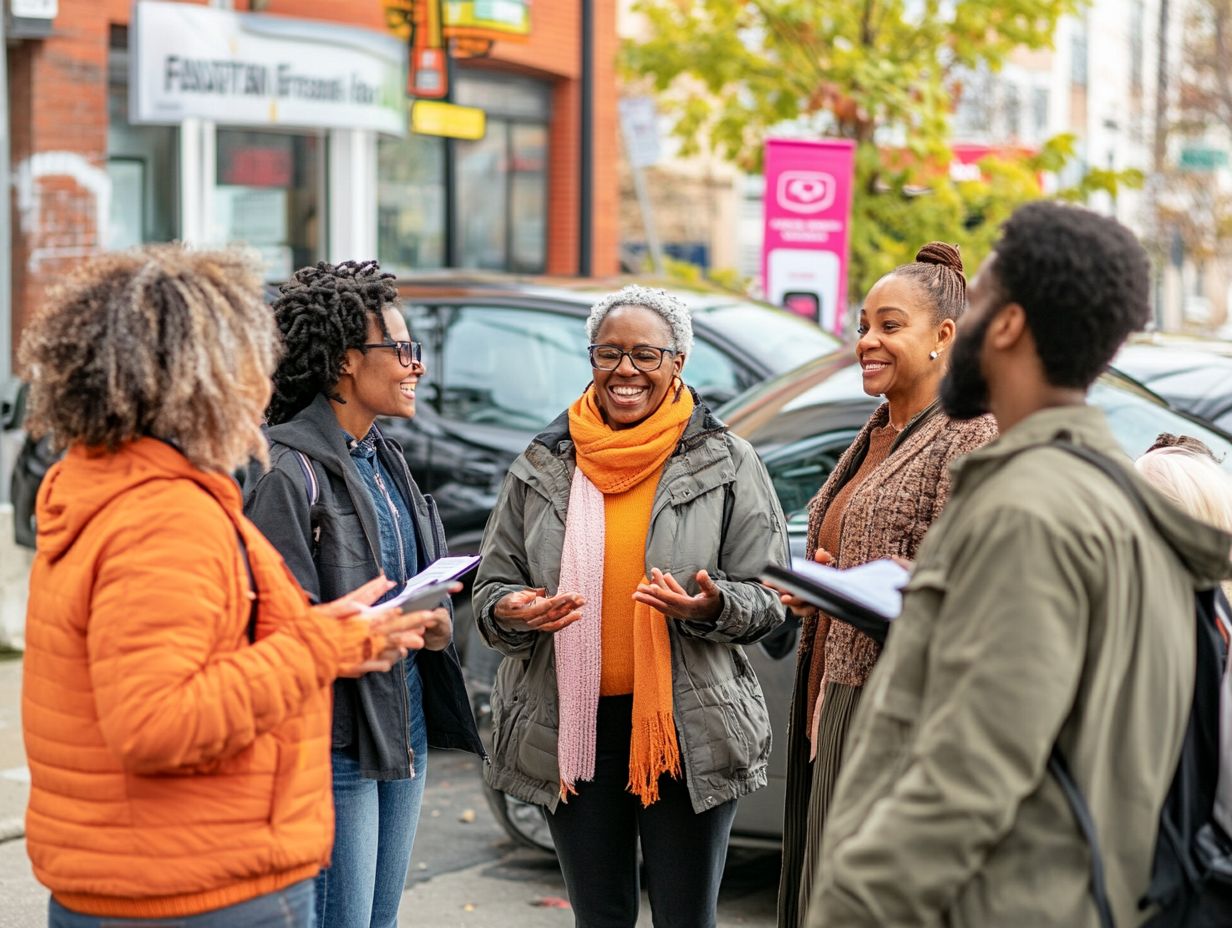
(408, 352)
(646, 358)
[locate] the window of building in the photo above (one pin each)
(1039, 111)
(269, 194)
(502, 196)
(411, 203)
(1078, 59)
(500, 193)
(142, 163)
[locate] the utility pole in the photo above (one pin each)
(1168, 308)
(586, 149)
(8, 391)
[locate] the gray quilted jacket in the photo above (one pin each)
(714, 508)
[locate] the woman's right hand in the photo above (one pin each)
(403, 631)
(799, 607)
(533, 611)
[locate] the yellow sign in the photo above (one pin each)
(489, 19)
(429, 117)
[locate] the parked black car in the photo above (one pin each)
(1192, 374)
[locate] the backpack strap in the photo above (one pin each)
(1058, 767)
(311, 486)
(252, 586)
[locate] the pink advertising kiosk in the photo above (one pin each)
(807, 214)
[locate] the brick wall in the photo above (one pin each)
(58, 114)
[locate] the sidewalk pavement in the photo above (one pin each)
(25, 901)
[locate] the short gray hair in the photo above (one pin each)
(672, 310)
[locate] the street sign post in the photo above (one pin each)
(1203, 158)
(639, 128)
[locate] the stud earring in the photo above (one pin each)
(932, 356)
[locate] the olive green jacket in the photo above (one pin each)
(714, 509)
(1042, 609)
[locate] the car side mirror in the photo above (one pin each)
(13, 404)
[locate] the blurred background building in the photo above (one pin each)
(1125, 78)
(536, 193)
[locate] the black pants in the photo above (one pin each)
(596, 834)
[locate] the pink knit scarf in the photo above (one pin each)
(579, 646)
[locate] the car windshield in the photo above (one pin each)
(783, 339)
(1137, 419)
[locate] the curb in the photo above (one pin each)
(11, 829)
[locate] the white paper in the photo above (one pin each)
(445, 569)
(877, 585)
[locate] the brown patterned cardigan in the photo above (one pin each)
(887, 516)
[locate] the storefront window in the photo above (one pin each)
(143, 164)
(268, 195)
(528, 197)
(500, 195)
(411, 203)
(483, 200)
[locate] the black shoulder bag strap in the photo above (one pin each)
(1057, 765)
(252, 585)
(1082, 815)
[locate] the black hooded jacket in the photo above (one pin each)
(332, 547)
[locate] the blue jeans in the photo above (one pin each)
(288, 908)
(374, 828)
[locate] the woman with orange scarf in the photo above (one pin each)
(618, 581)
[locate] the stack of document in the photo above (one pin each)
(869, 596)
(428, 588)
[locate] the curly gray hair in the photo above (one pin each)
(674, 312)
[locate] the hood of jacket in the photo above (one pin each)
(1202, 548)
(315, 431)
(88, 480)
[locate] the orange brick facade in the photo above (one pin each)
(58, 111)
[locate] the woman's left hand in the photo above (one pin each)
(670, 598)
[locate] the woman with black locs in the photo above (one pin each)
(338, 502)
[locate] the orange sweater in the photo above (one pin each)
(627, 519)
(174, 767)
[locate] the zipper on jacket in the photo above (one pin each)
(404, 702)
(393, 512)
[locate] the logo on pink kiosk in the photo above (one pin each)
(805, 192)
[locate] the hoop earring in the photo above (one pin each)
(679, 389)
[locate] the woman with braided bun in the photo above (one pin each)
(883, 494)
(339, 503)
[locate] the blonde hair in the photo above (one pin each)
(157, 341)
(1193, 481)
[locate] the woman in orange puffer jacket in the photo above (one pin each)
(177, 730)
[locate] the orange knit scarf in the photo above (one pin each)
(615, 460)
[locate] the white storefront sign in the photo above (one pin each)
(34, 9)
(250, 69)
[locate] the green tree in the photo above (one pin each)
(886, 73)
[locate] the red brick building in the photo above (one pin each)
(87, 175)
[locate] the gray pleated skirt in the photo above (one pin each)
(809, 805)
